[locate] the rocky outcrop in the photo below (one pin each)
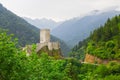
(56, 53)
(95, 60)
(92, 59)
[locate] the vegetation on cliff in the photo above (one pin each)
(54, 53)
(103, 42)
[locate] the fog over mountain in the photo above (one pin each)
(74, 30)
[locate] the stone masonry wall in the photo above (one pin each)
(53, 45)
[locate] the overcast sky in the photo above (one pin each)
(57, 9)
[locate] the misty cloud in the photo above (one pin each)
(57, 9)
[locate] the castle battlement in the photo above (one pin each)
(53, 45)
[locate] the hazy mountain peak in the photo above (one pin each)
(1, 4)
(45, 19)
(43, 23)
(1, 7)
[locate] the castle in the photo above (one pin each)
(52, 48)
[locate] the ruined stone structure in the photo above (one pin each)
(45, 42)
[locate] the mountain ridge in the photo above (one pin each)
(73, 31)
(42, 23)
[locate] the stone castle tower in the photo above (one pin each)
(45, 41)
(44, 35)
(53, 48)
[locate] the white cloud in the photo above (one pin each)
(56, 9)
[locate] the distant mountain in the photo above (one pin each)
(25, 32)
(43, 23)
(75, 30)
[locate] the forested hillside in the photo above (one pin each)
(26, 33)
(103, 42)
(15, 65)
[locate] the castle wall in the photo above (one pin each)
(40, 45)
(53, 45)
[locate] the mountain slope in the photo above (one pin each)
(103, 43)
(26, 33)
(75, 30)
(43, 23)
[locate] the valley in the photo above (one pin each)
(81, 48)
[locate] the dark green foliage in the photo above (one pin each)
(106, 40)
(15, 65)
(78, 51)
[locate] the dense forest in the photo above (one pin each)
(103, 42)
(15, 65)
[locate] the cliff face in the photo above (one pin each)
(56, 53)
(93, 59)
